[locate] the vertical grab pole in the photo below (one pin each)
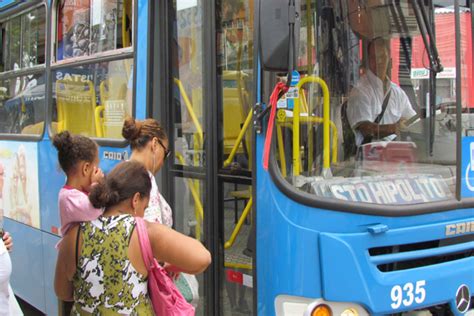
(296, 133)
(326, 126)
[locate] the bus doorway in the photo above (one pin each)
(203, 79)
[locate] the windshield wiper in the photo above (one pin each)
(435, 63)
(425, 28)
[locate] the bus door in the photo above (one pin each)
(208, 99)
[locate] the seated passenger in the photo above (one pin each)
(367, 97)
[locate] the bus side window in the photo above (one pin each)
(22, 97)
(93, 99)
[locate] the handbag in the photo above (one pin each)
(164, 296)
(188, 286)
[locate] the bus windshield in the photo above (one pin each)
(370, 120)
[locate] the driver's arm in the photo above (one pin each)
(367, 128)
(408, 115)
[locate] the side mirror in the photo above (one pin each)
(274, 23)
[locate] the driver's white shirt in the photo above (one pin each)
(365, 104)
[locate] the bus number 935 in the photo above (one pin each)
(407, 294)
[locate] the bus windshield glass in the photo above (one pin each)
(368, 118)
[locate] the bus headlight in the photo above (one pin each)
(286, 305)
(350, 312)
(321, 310)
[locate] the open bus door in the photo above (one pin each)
(209, 98)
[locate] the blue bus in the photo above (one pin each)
(271, 168)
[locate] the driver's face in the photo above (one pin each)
(379, 59)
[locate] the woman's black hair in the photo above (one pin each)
(74, 148)
(139, 133)
(126, 179)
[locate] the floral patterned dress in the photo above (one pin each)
(105, 282)
(158, 209)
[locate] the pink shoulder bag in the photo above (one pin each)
(165, 297)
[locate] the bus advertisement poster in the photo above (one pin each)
(19, 197)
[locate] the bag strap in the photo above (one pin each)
(144, 241)
(77, 244)
(384, 107)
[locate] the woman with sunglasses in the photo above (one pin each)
(149, 145)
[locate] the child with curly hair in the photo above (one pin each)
(79, 159)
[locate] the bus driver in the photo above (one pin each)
(367, 97)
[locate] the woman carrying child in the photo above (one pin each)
(100, 264)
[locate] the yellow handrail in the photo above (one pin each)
(238, 265)
(189, 106)
(247, 122)
(199, 212)
(287, 122)
(296, 124)
(281, 151)
(237, 227)
(99, 121)
(304, 102)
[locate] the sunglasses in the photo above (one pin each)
(167, 151)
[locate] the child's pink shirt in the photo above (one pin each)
(75, 207)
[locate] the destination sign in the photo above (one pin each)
(400, 189)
